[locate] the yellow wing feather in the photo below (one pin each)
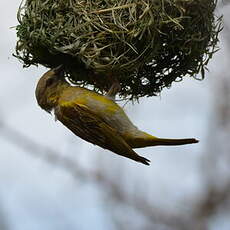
(89, 126)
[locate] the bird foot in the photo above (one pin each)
(114, 89)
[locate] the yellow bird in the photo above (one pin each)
(94, 117)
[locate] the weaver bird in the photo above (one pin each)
(94, 117)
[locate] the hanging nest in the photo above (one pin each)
(146, 44)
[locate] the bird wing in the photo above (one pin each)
(86, 124)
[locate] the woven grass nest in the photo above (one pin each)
(146, 44)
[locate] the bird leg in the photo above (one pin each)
(59, 71)
(114, 89)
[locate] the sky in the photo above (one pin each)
(36, 195)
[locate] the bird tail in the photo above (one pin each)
(165, 141)
(144, 140)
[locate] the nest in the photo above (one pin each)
(146, 44)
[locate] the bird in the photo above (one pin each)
(95, 117)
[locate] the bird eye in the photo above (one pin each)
(50, 81)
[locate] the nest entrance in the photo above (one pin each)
(148, 45)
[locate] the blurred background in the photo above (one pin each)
(50, 179)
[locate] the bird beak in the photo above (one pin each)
(59, 70)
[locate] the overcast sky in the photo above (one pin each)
(36, 195)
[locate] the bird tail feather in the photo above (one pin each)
(148, 140)
(165, 141)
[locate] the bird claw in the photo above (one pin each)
(114, 89)
(59, 70)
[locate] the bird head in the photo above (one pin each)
(48, 87)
